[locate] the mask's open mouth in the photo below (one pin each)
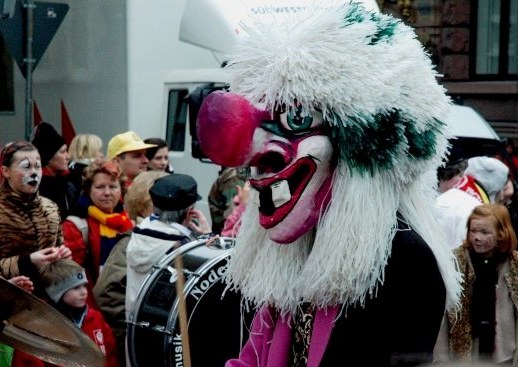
(33, 183)
(279, 194)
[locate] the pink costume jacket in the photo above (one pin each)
(259, 351)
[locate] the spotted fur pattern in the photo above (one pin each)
(25, 227)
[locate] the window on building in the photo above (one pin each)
(513, 38)
(6, 80)
(496, 47)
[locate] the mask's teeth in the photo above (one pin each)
(280, 193)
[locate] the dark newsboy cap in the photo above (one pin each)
(174, 192)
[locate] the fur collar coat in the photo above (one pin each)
(460, 341)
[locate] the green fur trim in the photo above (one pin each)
(373, 143)
(385, 29)
(423, 144)
(385, 26)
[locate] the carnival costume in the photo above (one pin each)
(338, 113)
(28, 223)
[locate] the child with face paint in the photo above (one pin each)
(30, 234)
(485, 328)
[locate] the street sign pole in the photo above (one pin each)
(29, 63)
(27, 30)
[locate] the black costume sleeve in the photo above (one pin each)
(398, 326)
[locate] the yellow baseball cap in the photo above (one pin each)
(125, 142)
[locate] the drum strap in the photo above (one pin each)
(160, 235)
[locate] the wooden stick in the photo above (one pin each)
(182, 310)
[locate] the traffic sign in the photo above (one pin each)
(47, 19)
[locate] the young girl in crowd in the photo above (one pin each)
(484, 328)
(158, 156)
(30, 234)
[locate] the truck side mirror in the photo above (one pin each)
(194, 101)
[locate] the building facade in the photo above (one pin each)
(474, 44)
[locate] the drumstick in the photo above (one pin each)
(182, 310)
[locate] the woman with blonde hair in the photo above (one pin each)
(137, 201)
(484, 328)
(83, 150)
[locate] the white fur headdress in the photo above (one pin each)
(366, 71)
(378, 93)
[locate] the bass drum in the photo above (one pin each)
(218, 326)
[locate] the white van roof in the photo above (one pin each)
(465, 122)
(216, 24)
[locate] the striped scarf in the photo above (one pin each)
(110, 227)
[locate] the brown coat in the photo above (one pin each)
(460, 341)
(26, 225)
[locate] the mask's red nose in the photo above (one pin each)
(225, 127)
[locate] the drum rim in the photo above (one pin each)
(189, 285)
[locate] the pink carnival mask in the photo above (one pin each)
(290, 155)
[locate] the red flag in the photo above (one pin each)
(36, 115)
(67, 128)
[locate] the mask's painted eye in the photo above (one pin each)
(293, 120)
(290, 122)
(296, 121)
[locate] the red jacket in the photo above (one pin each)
(95, 327)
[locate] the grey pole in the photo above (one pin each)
(29, 62)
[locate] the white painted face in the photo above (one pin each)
(290, 155)
(291, 177)
(24, 173)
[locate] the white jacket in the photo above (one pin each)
(144, 251)
(454, 208)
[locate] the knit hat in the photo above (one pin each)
(75, 277)
(47, 141)
(125, 142)
(491, 173)
(174, 192)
